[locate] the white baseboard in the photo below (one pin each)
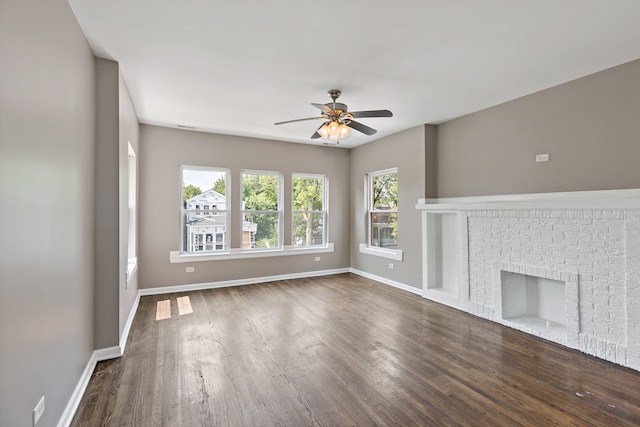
(127, 325)
(78, 392)
(238, 282)
(108, 353)
(452, 301)
(97, 356)
(387, 281)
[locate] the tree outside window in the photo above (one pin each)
(261, 195)
(309, 212)
(383, 208)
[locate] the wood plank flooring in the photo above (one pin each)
(344, 351)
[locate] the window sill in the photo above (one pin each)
(236, 253)
(395, 254)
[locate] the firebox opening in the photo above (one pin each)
(535, 302)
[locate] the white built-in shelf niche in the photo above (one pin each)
(441, 256)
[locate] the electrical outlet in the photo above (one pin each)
(191, 269)
(38, 411)
(317, 258)
(542, 157)
(391, 265)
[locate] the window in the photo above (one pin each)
(206, 215)
(309, 214)
(204, 212)
(132, 186)
(261, 210)
(383, 208)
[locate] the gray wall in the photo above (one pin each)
(431, 160)
(129, 131)
(116, 125)
(407, 151)
(590, 127)
(106, 224)
(163, 150)
(46, 215)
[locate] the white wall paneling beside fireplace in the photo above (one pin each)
(583, 248)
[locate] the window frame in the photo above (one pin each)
(279, 211)
(237, 253)
(324, 211)
(132, 214)
(368, 248)
(199, 212)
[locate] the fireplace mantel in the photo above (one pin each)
(591, 235)
(605, 199)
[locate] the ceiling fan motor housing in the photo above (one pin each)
(338, 106)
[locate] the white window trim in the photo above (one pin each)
(395, 254)
(132, 214)
(237, 253)
(366, 248)
(325, 206)
(280, 210)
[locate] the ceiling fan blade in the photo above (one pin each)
(371, 113)
(322, 108)
(362, 128)
(316, 135)
(299, 120)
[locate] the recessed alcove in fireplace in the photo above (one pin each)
(535, 302)
(538, 301)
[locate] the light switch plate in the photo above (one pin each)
(542, 157)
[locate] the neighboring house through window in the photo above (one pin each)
(204, 210)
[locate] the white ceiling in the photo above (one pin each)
(237, 66)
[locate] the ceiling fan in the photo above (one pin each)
(338, 120)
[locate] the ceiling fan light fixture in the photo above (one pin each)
(344, 130)
(324, 131)
(334, 130)
(340, 121)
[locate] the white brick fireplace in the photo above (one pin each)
(561, 266)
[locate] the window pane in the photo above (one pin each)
(384, 191)
(308, 228)
(261, 230)
(260, 192)
(200, 232)
(196, 182)
(204, 205)
(308, 193)
(384, 229)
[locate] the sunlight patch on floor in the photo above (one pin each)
(163, 309)
(184, 306)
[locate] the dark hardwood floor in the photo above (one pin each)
(344, 351)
